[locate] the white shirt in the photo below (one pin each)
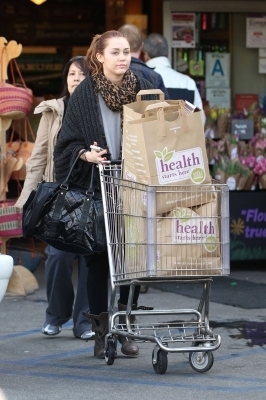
(181, 84)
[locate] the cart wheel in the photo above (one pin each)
(201, 361)
(110, 352)
(160, 366)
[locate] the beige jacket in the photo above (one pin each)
(40, 165)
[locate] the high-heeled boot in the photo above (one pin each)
(100, 327)
(129, 347)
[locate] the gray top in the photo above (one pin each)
(112, 128)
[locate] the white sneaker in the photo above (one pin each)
(51, 329)
(86, 335)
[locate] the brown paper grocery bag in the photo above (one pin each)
(190, 233)
(167, 149)
(134, 233)
(170, 197)
(136, 110)
(169, 266)
(208, 216)
(187, 243)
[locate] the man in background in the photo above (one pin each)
(178, 85)
(135, 39)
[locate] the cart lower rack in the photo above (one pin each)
(164, 234)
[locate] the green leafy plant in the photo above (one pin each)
(233, 139)
(244, 172)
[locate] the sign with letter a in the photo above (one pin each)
(217, 70)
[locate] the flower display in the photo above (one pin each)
(254, 112)
(248, 161)
(260, 167)
(217, 122)
(261, 144)
(241, 165)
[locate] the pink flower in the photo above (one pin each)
(255, 139)
(260, 144)
(260, 167)
(248, 161)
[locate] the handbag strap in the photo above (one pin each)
(66, 181)
(86, 207)
(28, 128)
(13, 61)
(2, 65)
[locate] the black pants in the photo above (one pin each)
(62, 304)
(98, 273)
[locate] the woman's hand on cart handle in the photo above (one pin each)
(95, 155)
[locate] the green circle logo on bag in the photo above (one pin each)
(197, 175)
(211, 243)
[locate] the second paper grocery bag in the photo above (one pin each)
(166, 149)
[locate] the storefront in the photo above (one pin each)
(50, 36)
(222, 45)
(229, 31)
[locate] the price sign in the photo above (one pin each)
(244, 128)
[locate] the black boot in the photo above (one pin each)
(129, 347)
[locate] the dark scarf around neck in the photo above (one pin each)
(116, 96)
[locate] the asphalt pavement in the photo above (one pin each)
(37, 367)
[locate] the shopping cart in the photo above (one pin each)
(187, 244)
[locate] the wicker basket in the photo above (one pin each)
(27, 258)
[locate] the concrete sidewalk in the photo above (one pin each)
(34, 366)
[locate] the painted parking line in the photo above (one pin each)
(138, 382)
(113, 369)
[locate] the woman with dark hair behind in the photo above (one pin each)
(95, 117)
(59, 264)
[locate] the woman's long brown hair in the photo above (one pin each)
(98, 45)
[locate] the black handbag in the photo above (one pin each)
(66, 216)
